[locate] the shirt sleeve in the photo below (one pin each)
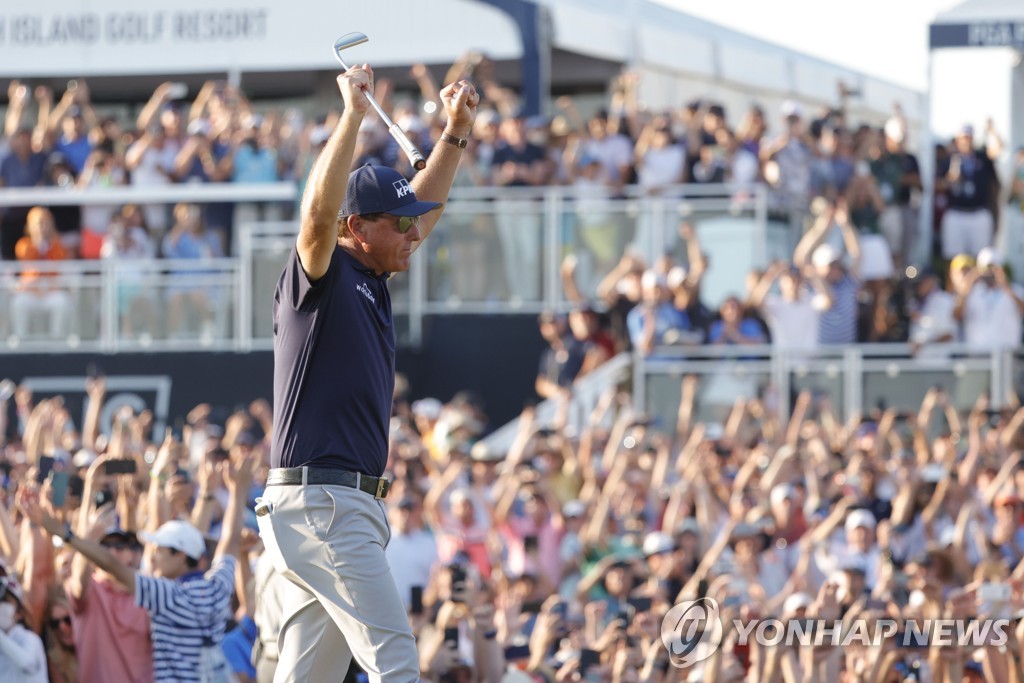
(297, 289)
(153, 594)
(222, 573)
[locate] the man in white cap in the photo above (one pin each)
(838, 322)
(655, 321)
(859, 544)
(189, 609)
(990, 306)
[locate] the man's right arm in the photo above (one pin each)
(325, 189)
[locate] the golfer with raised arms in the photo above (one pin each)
(322, 516)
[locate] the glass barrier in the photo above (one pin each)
(855, 379)
(173, 302)
(487, 252)
(598, 231)
(47, 303)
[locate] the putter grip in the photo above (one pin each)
(415, 158)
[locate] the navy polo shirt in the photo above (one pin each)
(334, 367)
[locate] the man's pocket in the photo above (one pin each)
(265, 522)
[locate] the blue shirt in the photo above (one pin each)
(185, 615)
(255, 165)
(76, 151)
(334, 367)
(749, 328)
(17, 173)
(667, 319)
(237, 646)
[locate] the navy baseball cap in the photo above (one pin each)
(379, 189)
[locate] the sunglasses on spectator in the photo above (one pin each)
(55, 623)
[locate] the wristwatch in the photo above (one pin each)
(452, 140)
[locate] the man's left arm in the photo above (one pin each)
(435, 181)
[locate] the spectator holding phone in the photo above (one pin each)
(112, 633)
(990, 305)
(188, 608)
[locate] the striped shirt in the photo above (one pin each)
(838, 325)
(186, 614)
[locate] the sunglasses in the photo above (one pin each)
(55, 623)
(405, 223)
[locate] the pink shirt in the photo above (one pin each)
(111, 635)
(549, 541)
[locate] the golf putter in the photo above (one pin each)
(415, 158)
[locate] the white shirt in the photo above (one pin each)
(614, 151)
(661, 166)
(412, 556)
(22, 658)
(794, 324)
(744, 167)
(936, 320)
(991, 318)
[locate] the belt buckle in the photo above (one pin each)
(382, 488)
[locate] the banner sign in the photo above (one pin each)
(124, 37)
(978, 34)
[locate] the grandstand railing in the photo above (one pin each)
(855, 379)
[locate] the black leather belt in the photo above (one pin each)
(293, 476)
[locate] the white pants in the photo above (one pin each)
(329, 541)
(966, 232)
(55, 303)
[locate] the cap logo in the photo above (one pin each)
(402, 187)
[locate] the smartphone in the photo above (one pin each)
(177, 91)
(416, 599)
(588, 659)
(530, 543)
(44, 466)
(640, 604)
(531, 607)
(59, 488)
(120, 466)
(516, 652)
(451, 638)
(458, 580)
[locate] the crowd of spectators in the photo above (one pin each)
(552, 561)
(864, 169)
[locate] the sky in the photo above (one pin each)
(883, 38)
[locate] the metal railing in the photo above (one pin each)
(496, 251)
(110, 306)
(856, 378)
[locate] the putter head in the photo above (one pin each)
(348, 40)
